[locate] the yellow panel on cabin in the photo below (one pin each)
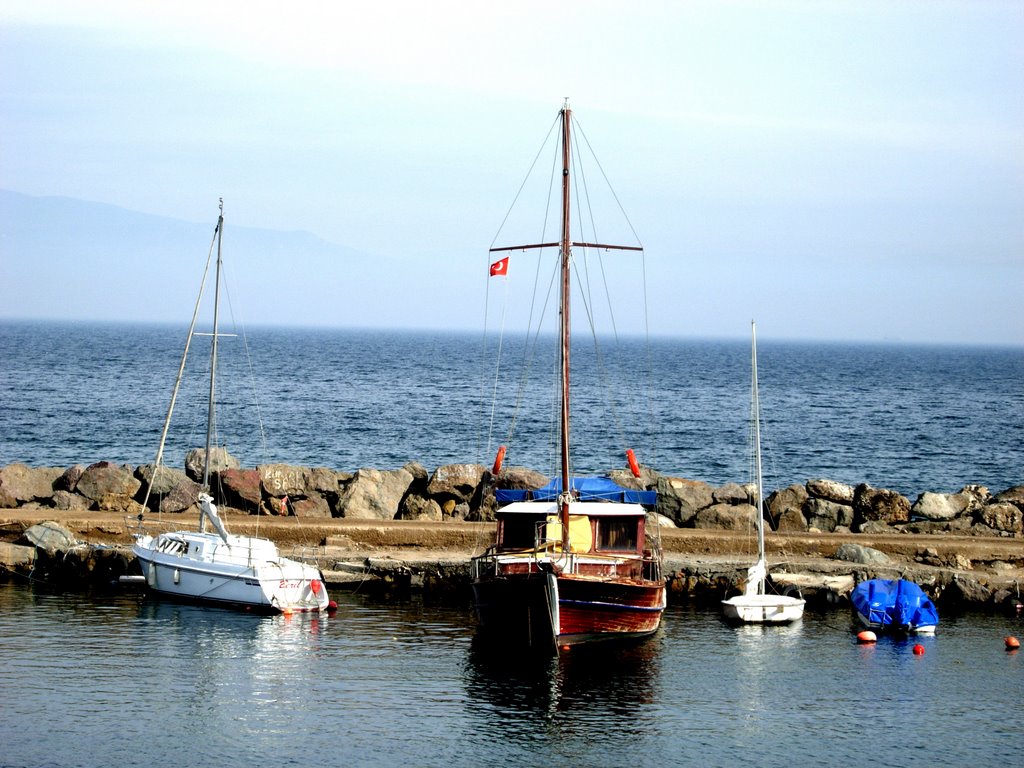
(581, 535)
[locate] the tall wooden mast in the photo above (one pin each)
(564, 247)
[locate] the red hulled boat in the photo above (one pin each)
(578, 561)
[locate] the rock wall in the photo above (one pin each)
(466, 492)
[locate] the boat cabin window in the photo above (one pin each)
(520, 531)
(617, 533)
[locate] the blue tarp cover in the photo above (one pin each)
(894, 604)
(588, 489)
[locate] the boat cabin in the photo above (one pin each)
(594, 527)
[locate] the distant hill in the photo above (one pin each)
(64, 258)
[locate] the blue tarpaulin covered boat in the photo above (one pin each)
(894, 605)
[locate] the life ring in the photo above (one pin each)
(634, 467)
(497, 460)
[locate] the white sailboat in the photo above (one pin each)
(756, 605)
(217, 567)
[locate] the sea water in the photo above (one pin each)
(121, 679)
(127, 680)
(910, 418)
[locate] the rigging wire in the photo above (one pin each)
(181, 370)
(537, 316)
(501, 331)
(252, 380)
(587, 294)
(646, 382)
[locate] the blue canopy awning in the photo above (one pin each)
(586, 488)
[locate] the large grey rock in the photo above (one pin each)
(111, 486)
(1013, 496)
(68, 481)
(791, 520)
(727, 517)
(680, 499)
(978, 496)
(830, 490)
(284, 480)
(625, 478)
(419, 508)
(857, 553)
(24, 483)
(1002, 516)
(880, 505)
(786, 503)
(220, 459)
(162, 480)
(325, 481)
(181, 497)
(456, 481)
(51, 537)
(734, 493)
(968, 591)
(824, 515)
(946, 506)
(65, 500)
(520, 479)
(375, 495)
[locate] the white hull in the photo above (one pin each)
(763, 609)
(244, 571)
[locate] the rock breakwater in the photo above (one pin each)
(408, 528)
(466, 492)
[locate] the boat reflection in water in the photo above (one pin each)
(510, 692)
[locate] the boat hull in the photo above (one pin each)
(542, 610)
(271, 586)
(594, 609)
(763, 609)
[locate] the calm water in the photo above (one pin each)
(126, 680)
(904, 417)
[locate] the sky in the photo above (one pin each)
(837, 170)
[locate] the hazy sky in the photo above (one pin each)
(838, 170)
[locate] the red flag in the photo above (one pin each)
(500, 267)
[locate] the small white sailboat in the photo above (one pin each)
(217, 567)
(756, 605)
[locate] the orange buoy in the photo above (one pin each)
(286, 611)
(919, 650)
(498, 459)
(1012, 643)
(634, 467)
(314, 586)
(867, 636)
